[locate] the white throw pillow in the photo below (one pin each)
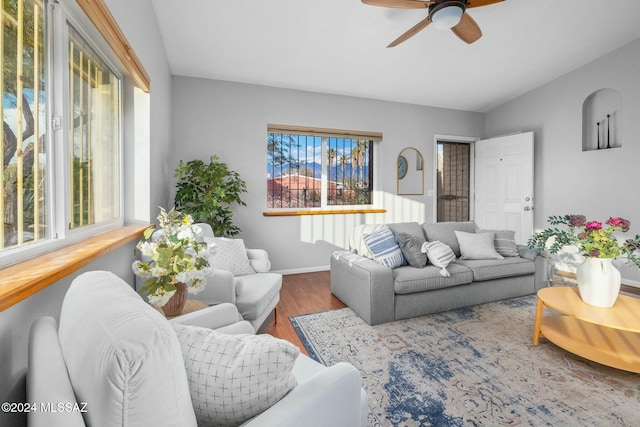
(230, 255)
(440, 255)
(477, 246)
(384, 247)
(233, 378)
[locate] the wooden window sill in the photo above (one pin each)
(323, 212)
(20, 281)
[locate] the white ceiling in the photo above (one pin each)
(339, 46)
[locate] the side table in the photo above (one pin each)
(609, 336)
(190, 306)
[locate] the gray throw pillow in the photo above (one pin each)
(411, 249)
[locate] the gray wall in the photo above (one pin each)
(600, 183)
(230, 120)
(138, 23)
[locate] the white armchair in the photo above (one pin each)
(255, 295)
(116, 361)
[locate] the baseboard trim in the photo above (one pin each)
(302, 270)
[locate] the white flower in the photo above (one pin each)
(185, 233)
(157, 271)
(147, 249)
(139, 270)
(160, 297)
(196, 287)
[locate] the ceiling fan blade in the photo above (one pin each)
(478, 3)
(467, 30)
(411, 32)
(400, 4)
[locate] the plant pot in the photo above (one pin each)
(176, 303)
(598, 282)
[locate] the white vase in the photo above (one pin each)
(598, 281)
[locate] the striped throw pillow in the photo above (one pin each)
(384, 248)
(504, 241)
(440, 255)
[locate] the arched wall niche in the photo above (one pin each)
(601, 115)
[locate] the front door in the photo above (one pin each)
(504, 184)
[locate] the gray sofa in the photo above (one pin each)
(379, 294)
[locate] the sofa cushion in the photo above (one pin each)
(445, 232)
(408, 279)
(255, 292)
(384, 247)
(477, 245)
(504, 241)
(495, 269)
(119, 353)
(412, 228)
(235, 377)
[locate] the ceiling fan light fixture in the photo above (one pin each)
(447, 15)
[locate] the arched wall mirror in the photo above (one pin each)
(410, 172)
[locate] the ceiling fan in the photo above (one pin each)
(443, 13)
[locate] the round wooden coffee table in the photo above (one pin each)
(610, 336)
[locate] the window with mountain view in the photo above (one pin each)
(307, 170)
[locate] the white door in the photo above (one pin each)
(504, 184)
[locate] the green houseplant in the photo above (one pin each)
(207, 192)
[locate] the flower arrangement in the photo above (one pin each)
(592, 238)
(170, 255)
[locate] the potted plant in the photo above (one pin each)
(207, 192)
(172, 261)
(598, 280)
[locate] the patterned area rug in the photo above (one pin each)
(475, 366)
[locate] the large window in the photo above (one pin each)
(315, 168)
(72, 103)
(23, 155)
(94, 113)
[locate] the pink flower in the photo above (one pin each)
(595, 253)
(621, 223)
(593, 225)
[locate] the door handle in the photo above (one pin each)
(527, 208)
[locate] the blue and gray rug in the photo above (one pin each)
(475, 366)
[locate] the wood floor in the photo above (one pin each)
(300, 294)
(311, 293)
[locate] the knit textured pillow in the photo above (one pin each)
(233, 378)
(440, 255)
(230, 255)
(384, 247)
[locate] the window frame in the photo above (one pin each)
(58, 175)
(325, 134)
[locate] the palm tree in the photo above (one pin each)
(331, 154)
(343, 163)
(359, 153)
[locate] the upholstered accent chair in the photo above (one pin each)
(241, 277)
(254, 291)
(114, 360)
